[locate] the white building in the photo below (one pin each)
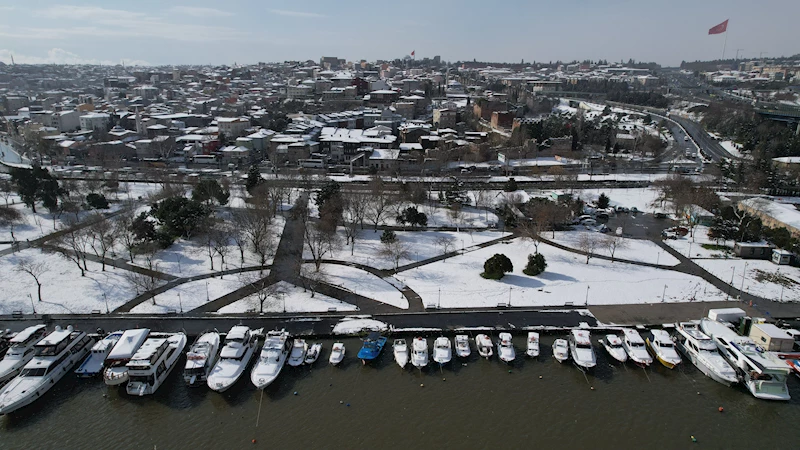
(232, 127)
(94, 121)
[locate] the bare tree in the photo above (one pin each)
(612, 243)
(141, 282)
(266, 294)
(123, 231)
(588, 243)
(379, 201)
(103, 237)
(395, 250)
(354, 207)
(446, 242)
(76, 241)
(92, 184)
(321, 241)
(549, 214)
(6, 190)
(10, 217)
(457, 215)
(482, 200)
(532, 230)
(255, 225)
(238, 237)
(35, 270)
(222, 237)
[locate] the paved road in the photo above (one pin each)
(708, 146)
(289, 254)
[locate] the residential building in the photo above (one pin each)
(444, 118)
(94, 121)
(232, 127)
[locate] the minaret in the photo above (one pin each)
(139, 128)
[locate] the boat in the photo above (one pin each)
(20, 351)
(613, 345)
(400, 350)
(763, 373)
(462, 346)
(794, 364)
(5, 336)
(115, 373)
(505, 350)
(298, 353)
(533, 344)
(484, 345)
(153, 362)
(442, 350)
(272, 358)
(660, 343)
(634, 345)
(560, 350)
(337, 354)
(372, 347)
(313, 353)
(200, 358)
(704, 354)
(419, 352)
(240, 344)
(93, 364)
(580, 347)
(53, 357)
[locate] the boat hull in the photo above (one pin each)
(115, 377)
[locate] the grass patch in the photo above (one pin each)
(722, 248)
(770, 277)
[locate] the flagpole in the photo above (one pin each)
(725, 44)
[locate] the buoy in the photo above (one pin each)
(698, 392)
(509, 370)
(421, 385)
(340, 402)
(721, 409)
(330, 384)
(444, 379)
(295, 392)
(253, 441)
(540, 377)
(693, 439)
(348, 404)
(591, 387)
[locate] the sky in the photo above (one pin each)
(148, 32)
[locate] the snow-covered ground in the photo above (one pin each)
(357, 324)
(632, 249)
(286, 297)
(761, 277)
(438, 216)
(190, 295)
(640, 198)
(732, 148)
(567, 279)
(64, 290)
(688, 244)
(363, 283)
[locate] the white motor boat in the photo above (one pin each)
(663, 348)
(93, 364)
(153, 362)
(560, 350)
(240, 344)
(298, 354)
(337, 354)
(419, 352)
(580, 347)
(115, 372)
(201, 358)
(21, 351)
(400, 350)
(634, 345)
(462, 346)
(533, 344)
(271, 359)
(613, 345)
(761, 371)
(442, 350)
(313, 353)
(505, 349)
(704, 354)
(484, 346)
(54, 356)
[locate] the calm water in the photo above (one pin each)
(478, 405)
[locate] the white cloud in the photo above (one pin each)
(6, 8)
(197, 11)
(283, 12)
(61, 56)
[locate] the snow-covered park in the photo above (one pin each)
(758, 277)
(286, 297)
(698, 245)
(631, 249)
(361, 282)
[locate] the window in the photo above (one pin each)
(763, 339)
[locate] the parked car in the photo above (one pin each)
(588, 222)
(622, 209)
(619, 231)
(634, 210)
(679, 231)
(660, 215)
(603, 229)
(602, 217)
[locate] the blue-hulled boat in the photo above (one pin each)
(372, 347)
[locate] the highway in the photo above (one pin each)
(710, 147)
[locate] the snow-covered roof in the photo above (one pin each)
(237, 332)
(384, 153)
(781, 212)
(581, 337)
(25, 334)
(149, 348)
(633, 335)
(128, 343)
(55, 337)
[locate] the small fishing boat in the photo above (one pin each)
(372, 347)
(201, 358)
(634, 345)
(313, 353)
(240, 345)
(298, 355)
(580, 347)
(560, 350)
(505, 350)
(533, 344)
(462, 346)
(400, 350)
(271, 359)
(613, 345)
(152, 363)
(419, 352)
(484, 345)
(442, 350)
(20, 352)
(660, 343)
(337, 354)
(93, 364)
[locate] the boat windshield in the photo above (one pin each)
(47, 350)
(196, 371)
(637, 344)
(665, 344)
(37, 372)
(614, 345)
(145, 379)
(583, 346)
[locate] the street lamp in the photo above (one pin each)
(180, 302)
(587, 295)
(744, 275)
(32, 306)
(108, 311)
(664, 294)
(733, 272)
(208, 299)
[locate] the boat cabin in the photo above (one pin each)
(581, 338)
(27, 336)
(55, 342)
(148, 354)
(633, 338)
(613, 340)
(127, 345)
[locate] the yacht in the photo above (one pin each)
(271, 359)
(634, 345)
(337, 354)
(200, 358)
(761, 371)
(93, 364)
(660, 343)
(153, 362)
(484, 345)
(298, 353)
(419, 352)
(613, 345)
(53, 357)
(313, 354)
(371, 348)
(580, 347)
(400, 349)
(505, 350)
(533, 344)
(115, 372)
(240, 344)
(442, 350)
(20, 351)
(704, 354)
(462, 346)
(560, 350)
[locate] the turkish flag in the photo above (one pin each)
(412, 52)
(719, 29)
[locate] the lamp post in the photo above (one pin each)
(180, 302)
(664, 294)
(658, 258)
(208, 299)
(32, 306)
(744, 275)
(587, 296)
(733, 272)
(108, 311)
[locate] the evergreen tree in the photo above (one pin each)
(603, 201)
(496, 267)
(253, 179)
(536, 265)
